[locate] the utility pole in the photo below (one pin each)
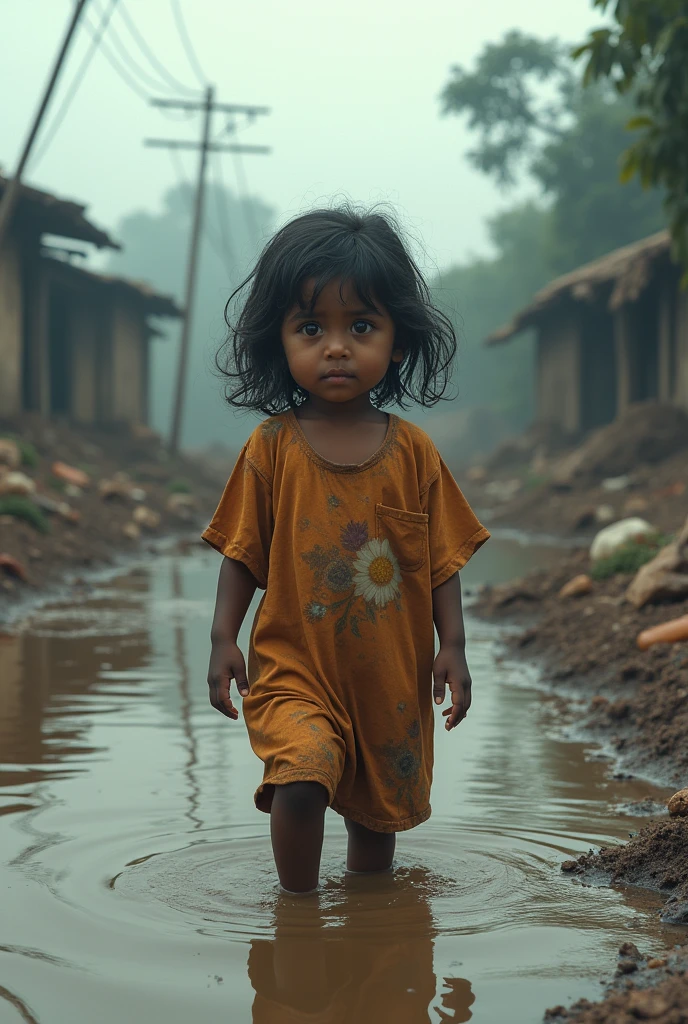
(208, 106)
(9, 199)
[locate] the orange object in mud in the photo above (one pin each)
(666, 633)
(70, 474)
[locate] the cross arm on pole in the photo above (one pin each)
(226, 108)
(212, 147)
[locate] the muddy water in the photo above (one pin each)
(136, 877)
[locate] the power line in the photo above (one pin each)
(117, 67)
(135, 69)
(204, 146)
(76, 82)
(149, 54)
(193, 60)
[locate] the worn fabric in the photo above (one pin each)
(340, 661)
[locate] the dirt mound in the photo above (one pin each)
(656, 858)
(648, 432)
(643, 989)
(543, 440)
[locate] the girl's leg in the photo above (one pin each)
(368, 850)
(297, 821)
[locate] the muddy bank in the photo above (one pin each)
(72, 500)
(644, 988)
(654, 858)
(545, 482)
(632, 702)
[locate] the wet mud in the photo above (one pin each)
(137, 878)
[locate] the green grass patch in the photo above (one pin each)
(21, 507)
(179, 486)
(29, 454)
(628, 559)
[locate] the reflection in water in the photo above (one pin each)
(136, 872)
(371, 961)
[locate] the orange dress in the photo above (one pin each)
(342, 646)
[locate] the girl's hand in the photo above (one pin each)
(450, 668)
(226, 663)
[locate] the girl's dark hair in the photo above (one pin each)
(324, 245)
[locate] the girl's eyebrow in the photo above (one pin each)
(304, 314)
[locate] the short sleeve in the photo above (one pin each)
(242, 525)
(454, 531)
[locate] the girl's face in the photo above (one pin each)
(339, 350)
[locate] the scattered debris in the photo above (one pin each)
(619, 534)
(670, 632)
(182, 506)
(635, 505)
(131, 530)
(146, 517)
(13, 567)
(577, 587)
(16, 482)
(678, 804)
(70, 474)
(604, 514)
(665, 577)
(616, 483)
(10, 454)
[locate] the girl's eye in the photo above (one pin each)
(310, 329)
(361, 327)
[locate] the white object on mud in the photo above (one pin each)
(616, 483)
(617, 535)
(605, 514)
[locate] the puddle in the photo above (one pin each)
(137, 878)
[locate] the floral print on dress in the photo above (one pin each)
(364, 571)
(271, 427)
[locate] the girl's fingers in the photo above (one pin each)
(439, 689)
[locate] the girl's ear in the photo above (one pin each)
(398, 355)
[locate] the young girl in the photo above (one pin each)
(350, 522)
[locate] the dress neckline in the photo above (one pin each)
(344, 467)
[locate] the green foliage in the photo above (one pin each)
(21, 507)
(531, 113)
(29, 454)
(179, 486)
(645, 54)
(627, 559)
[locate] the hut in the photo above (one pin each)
(612, 332)
(73, 343)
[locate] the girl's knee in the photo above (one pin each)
(301, 800)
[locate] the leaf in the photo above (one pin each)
(642, 121)
(354, 626)
(340, 624)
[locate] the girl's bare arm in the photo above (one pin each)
(235, 589)
(450, 665)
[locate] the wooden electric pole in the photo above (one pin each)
(208, 106)
(9, 199)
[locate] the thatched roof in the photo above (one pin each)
(54, 216)
(151, 302)
(619, 277)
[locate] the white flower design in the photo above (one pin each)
(376, 573)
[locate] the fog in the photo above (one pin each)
(354, 97)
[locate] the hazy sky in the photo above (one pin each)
(353, 90)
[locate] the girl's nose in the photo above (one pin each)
(337, 346)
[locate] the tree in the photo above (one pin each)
(155, 249)
(532, 115)
(645, 55)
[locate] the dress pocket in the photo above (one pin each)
(407, 533)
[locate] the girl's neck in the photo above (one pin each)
(359, 410)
